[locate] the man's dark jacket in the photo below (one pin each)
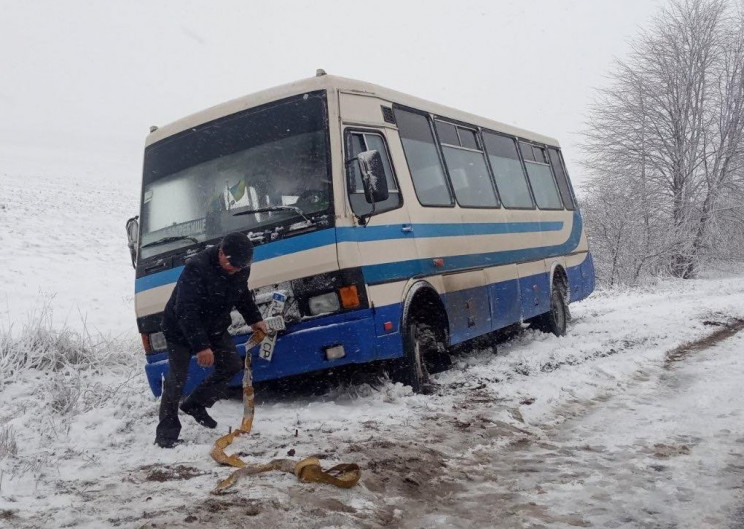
(198, 311)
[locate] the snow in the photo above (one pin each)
(598, 428)
(674, 455)
(63, 216)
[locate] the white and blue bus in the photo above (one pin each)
(393, 227)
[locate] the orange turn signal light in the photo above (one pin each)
(349, 297)
(146, 343)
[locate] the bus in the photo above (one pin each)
(388, 227)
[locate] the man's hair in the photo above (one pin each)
(238, 249)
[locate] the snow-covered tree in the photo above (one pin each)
(665, 147)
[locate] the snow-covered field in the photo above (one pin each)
(62, 217)
(615, 425)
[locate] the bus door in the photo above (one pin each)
(384, 247)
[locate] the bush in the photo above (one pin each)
(8, 445)
(40, 346)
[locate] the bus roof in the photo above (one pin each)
(330, 83)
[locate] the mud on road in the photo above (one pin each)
(463, 467)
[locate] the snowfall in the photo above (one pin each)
(634, 419)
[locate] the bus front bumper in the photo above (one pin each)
(302, 349)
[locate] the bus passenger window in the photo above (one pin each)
(360, 141)
(470, 179)
(561, 177)
(423, 160)
(468, 138)
(527, 152)
(467, 167)
(511, 182)
(447, 133)
(541, 178)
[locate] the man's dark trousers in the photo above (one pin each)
(213, 388)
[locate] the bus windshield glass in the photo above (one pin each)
(197, 183)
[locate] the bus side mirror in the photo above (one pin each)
(373, 176)
(133, 238)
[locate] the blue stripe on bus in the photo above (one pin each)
(402, 269)
(279, 248)
(157, 280)
(385, 272)
(393, 231)
(292, 245)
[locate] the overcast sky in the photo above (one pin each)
(96, 74)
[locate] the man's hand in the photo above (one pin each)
(205, 358)
(260, 326)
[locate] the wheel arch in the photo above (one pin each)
(421, 300)
(559, 275)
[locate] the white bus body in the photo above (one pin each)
(480, 229)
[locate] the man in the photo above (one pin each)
(195, 321)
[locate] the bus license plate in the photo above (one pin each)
(266, 350)
(275, 323)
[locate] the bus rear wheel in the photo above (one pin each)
(555, 320)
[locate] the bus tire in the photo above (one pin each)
(555, 320)
(424, 353)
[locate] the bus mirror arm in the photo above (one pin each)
(364, 219)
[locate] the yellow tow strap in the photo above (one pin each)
(218, 450)
(307, 470)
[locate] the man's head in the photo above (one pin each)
(236, 252)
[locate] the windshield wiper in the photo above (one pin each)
(268, 209)
(166, 240)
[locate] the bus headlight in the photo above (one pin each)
(324, 303)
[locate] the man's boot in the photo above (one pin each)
(199, 413)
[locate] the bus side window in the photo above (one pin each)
(561, 177)
(423, 159)
(508, 172)
(360, 141)
(540, 176)
(466, 165)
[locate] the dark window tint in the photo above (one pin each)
(368, 141)
(507, 171)
(527, 154)
(467, 138)
(539, 154)
(447, 133)
(423, 159)
(541, 181)
(561, 177)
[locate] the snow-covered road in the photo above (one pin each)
(667, 451)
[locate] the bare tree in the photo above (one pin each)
(724, 137)
(666, 138)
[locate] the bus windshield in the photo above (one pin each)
(197, 183)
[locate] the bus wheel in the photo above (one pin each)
(424, 353)
(555, 320)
